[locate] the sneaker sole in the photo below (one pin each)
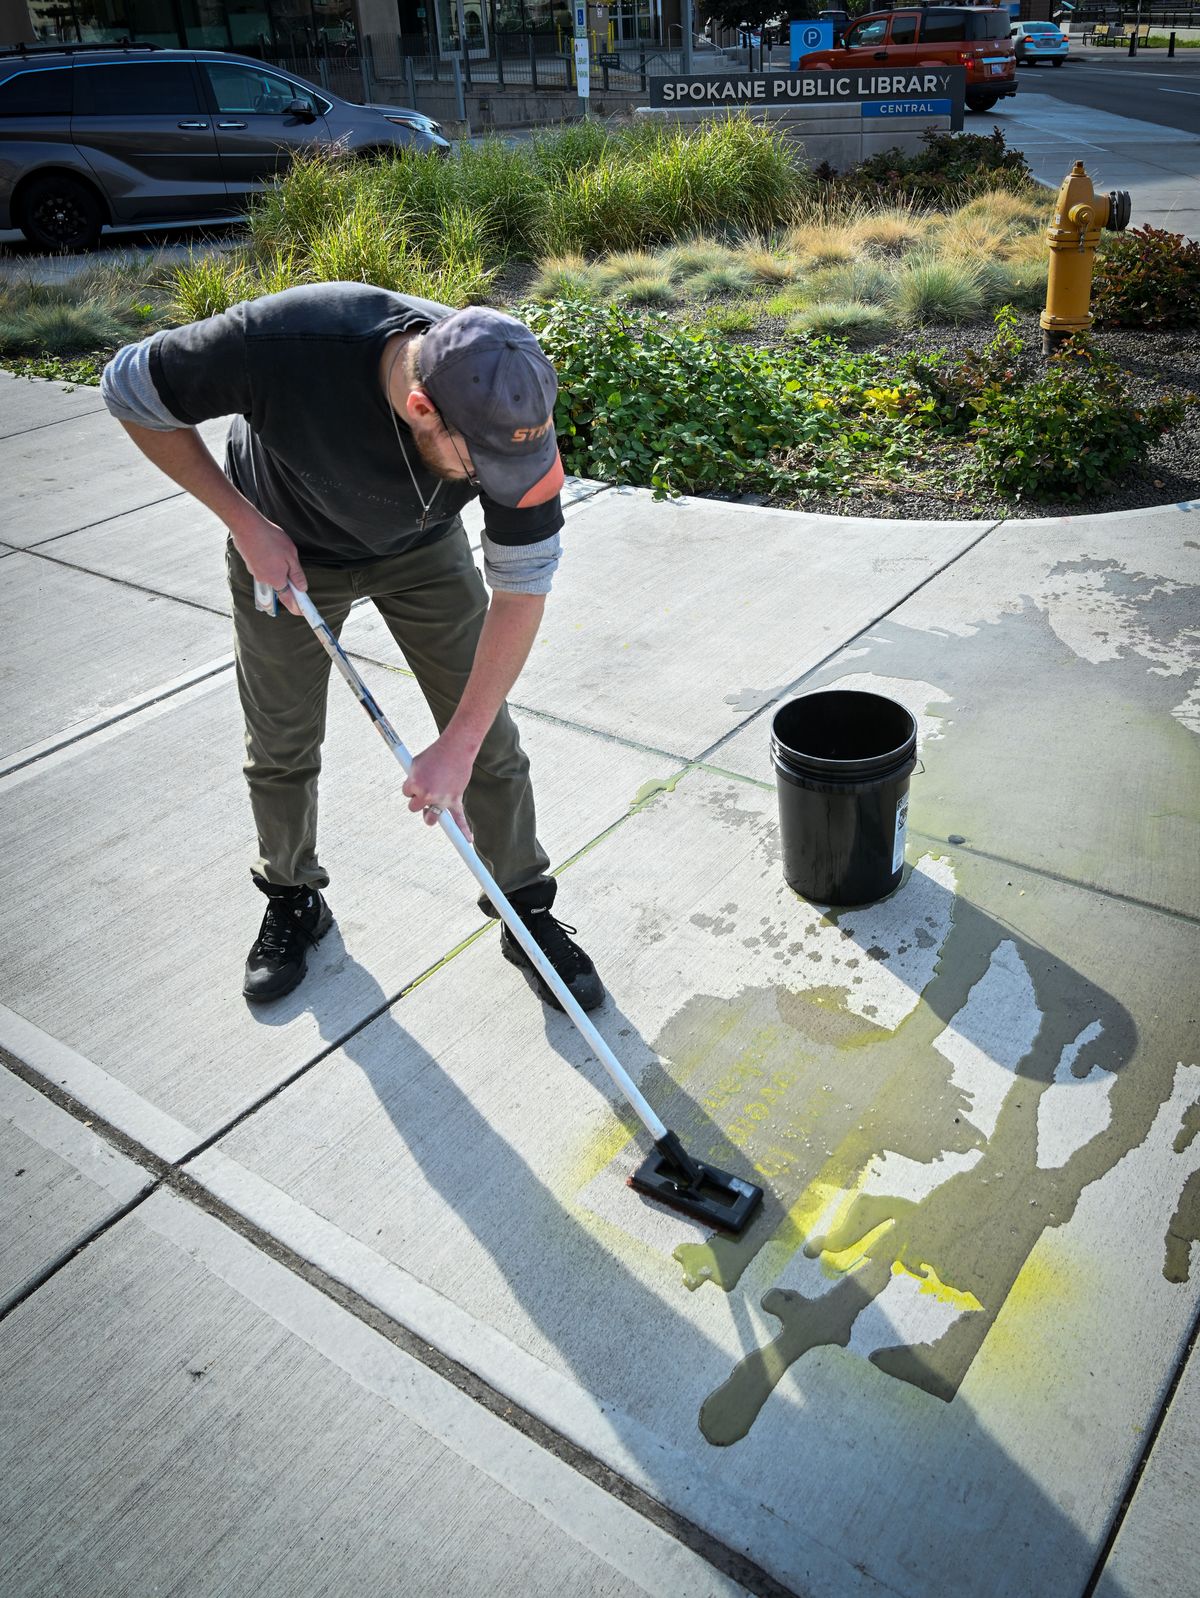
(322, 927)
(541, 987)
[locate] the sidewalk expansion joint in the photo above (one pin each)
(38, 551)
(177, 1180)
(1060, 877)
(790, 688)
(330, 1048)
(69, 738)
(384, 1006)
(59, 421)
(1139, 1469)
(86, 527)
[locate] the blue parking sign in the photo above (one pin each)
(806, 36)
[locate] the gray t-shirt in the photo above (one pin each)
(313, 444)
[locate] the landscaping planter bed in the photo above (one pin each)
(1154, 361)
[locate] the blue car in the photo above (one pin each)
(1040, 41)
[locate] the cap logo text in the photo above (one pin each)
(526, 435)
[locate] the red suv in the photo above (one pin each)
(975, 37)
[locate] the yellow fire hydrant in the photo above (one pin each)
(1079, 215)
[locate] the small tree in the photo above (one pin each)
(741, 13)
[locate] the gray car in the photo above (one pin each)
(136, 135)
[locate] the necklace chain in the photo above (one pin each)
(426, 504)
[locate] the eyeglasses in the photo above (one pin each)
(467, 472)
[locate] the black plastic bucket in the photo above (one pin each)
(842, 762)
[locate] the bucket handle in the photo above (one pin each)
(920, 767)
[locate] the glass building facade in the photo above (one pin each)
(249, 26)
(332, 27)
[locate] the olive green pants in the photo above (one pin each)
(433, 601)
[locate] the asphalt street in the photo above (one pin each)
(1150, 87)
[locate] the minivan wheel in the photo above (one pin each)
(984, 104)
(58, 212)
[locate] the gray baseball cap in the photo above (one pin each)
(492, 382)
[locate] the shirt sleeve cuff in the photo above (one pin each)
(521, 568)
(128, 390)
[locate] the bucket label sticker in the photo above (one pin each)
(901, 824)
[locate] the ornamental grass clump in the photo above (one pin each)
(768, 265)
(95, 309)
(655, 184)
(552, 152)
(359, 247)
(649, 288)
(822, 243)
(866, 282)
(1019, 283)
(1010, 215)
(731, 278)
(685, 260)
(938, 291)
(619, 266)
(565, 277)
(59, 328)
(208, 285)
(892, 232)
(849, 319)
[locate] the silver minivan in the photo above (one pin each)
(136, 135)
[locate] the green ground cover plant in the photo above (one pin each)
(1056, 432)
(1147, 278)
(644, 400)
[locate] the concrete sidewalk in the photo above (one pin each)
(1159, 166)
(349, 1294)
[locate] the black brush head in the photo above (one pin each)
(710, 1195)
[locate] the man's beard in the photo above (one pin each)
(432, 463)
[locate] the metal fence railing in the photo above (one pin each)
(1160, 19)
(395, 68)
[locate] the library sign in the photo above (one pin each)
(895, 92)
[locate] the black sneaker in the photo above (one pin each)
(296, 919)
(567, 958)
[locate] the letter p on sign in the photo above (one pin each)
(807, 36)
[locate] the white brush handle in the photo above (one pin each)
(482, 875)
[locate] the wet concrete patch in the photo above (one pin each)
(953, 1260)
(1060, 697)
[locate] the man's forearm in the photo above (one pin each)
(509, 629)
(183, 456)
